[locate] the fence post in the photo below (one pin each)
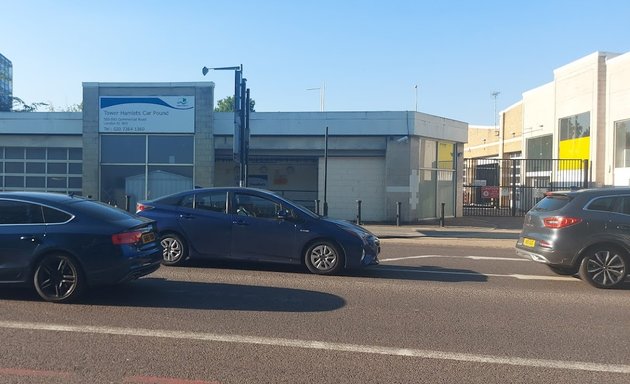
(358, 212)
(514, 186)
(585, 166)
(398, 205)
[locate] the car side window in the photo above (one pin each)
(55, 216)
(211, 201)
(624, 205)
(606, 204)
(249, 205)
(20, 212)
(187, 201)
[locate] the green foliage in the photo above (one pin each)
(20, 105)
(227, 105)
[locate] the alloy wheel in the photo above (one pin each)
(57, 278)
(173, 251)
(604, 268)
(323, 258)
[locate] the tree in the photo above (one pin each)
(227, 105)
(20, 106)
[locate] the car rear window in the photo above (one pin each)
(552, 203)
(102, 211)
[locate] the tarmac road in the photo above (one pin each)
(459, 310)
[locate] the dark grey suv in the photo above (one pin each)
(583, 231)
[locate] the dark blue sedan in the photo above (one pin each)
(62, 244)
(256, 225)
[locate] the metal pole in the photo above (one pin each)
(325, 172)
(398, 206)
(317, 206)
(358, 212)
(246, 133)
(585, 165)
(514, 186)
(442, 216)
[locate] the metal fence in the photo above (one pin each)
(510, 187)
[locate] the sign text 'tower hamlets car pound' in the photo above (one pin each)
(148, 114)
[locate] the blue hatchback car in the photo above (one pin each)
(61, 244)
(256, 225)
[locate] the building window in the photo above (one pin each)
(622, 144)
(138, 167)
(575, 141)
(539, 154)
(40, 169)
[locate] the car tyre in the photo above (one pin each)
(560, 270)
(174, 251)
(604, 267)
(58, 278)
(323, 258)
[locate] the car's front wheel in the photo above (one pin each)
(173, 249)
(323, 258)
(58, 278)
(604, 267)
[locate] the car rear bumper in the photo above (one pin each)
(543, 255)
(130, 268)
(532, 256)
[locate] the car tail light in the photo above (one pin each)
(127, 237)
(142, 207)
(560, 221)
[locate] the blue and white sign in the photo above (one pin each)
(146, 114)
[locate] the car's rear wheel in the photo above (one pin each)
(604, 267)
(173, 249)
(562, 270)
(323, 258)
(58, 278)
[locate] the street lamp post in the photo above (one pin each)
(240, 147)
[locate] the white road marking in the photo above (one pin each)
(322, 345)
(513, 275)
(456, 257)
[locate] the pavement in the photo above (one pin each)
(465, 227)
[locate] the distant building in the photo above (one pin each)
(6, 84)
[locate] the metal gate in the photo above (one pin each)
(510, 187)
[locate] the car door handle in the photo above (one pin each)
(189, 217)
(32, 239)
(240, 222)
(624, 227)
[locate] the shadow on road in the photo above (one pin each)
(151, 292)
(424, 273)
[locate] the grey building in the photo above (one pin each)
(135, 141)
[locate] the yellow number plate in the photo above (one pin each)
(529, 242)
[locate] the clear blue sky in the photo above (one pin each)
(370, 54)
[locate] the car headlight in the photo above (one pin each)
(357, 233)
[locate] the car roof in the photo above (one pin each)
(40, 197)
(591, 191)
(222, 189)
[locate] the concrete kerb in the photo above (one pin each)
(486, 232)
